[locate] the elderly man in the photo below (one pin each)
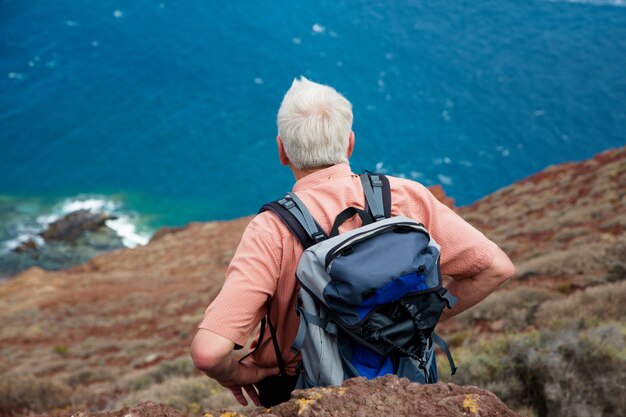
(315, 140)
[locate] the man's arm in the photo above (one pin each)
(213, 355)
(470, 291)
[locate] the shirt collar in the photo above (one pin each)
(322, 176)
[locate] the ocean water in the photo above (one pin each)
(167, 109)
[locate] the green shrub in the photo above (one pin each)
(568, 372)
(18, 394)
(61, 350)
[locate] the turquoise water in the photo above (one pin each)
(169, 108)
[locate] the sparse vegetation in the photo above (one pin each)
(181, 367)
(515, 309)
(191, 395)
(105, 333)
(28, 393)
(571, 362)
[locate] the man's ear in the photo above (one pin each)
(350, 145)
(282, 155)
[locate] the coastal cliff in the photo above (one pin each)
(115, 331)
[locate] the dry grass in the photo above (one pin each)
(190, 395)
(585, 309)
(27, 393)
(516, 309)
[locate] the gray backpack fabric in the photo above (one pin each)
(370, 298)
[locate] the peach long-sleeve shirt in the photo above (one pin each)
(262, 271)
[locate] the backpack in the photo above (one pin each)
(369, 298)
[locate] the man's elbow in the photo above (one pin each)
(209, 350)
(504, 268)
(202, 358)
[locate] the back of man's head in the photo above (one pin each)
(314, 124)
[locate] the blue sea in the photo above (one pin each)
(165, 110)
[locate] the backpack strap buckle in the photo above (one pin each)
(288, 204)
(318, 236)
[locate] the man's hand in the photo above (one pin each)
(212, 354)
(248, 374)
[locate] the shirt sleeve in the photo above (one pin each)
(465, 251)
(251, 280)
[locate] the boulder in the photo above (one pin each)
(385, 396)
(72, 225)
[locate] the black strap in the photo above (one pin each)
(258, 343)
(345, 215)
(279, 356)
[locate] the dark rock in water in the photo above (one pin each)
(386, 396)
(26, 246)
(73, 239)
(72, 225)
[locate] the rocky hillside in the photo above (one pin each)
(115, 331)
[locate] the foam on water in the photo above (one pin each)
(126, 229)
(29, 227)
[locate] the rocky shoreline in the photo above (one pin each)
(35, 234)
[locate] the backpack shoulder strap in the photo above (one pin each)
(292, 211)
(377, 195)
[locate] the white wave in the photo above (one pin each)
(125, 229)
(118, 14)
(10, 244)
(444, 179)
(70, 205)
(94, 204)
(317, 28)
(612, 3)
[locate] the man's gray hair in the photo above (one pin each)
(314, 123)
